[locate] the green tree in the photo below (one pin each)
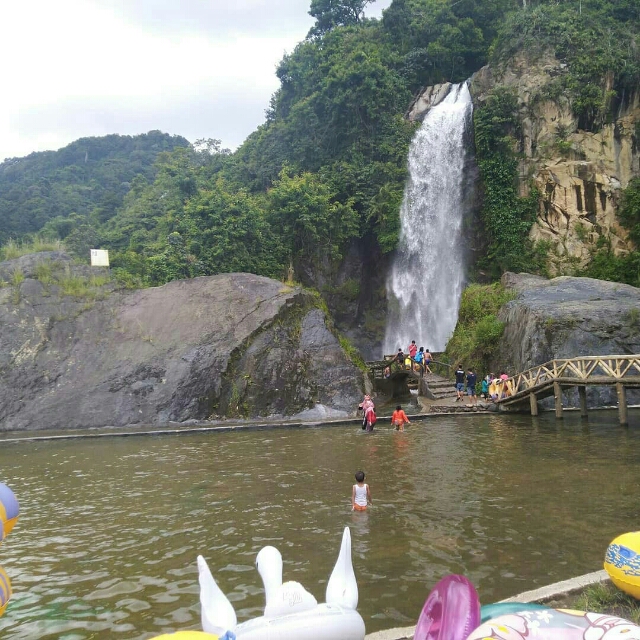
(335, 13)
(315, 226)
(90, 177)
(595, 39)
(228, 231)
(82, 239)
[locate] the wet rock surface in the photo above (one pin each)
(232, 345)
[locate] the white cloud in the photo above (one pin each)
(92, 67)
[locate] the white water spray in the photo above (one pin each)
(427, 276)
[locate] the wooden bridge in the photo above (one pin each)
(532, 385)
(548, 379)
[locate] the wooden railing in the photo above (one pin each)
(377, 367)
(587, 370)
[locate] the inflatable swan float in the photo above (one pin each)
(291, 612)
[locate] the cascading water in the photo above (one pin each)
(426, 279)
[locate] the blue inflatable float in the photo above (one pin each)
(9, 508)
(9, 512)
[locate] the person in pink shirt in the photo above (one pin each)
(368, 413)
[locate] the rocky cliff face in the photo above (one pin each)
(567, 317)
(228, 345)
(579, 174)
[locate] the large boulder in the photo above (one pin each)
(567, 317)
(232, 345)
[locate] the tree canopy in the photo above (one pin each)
(90, 176)
(336, 13)
(327, 167)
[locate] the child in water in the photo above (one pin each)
(399, 419)
(361, 495)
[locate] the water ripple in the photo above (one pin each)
(106, 543)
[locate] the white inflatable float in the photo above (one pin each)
(291, 612)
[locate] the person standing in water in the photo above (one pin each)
(361, 494)
(399, 419)
(367, 407)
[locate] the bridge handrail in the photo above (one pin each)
(580, 368)
(377, 366)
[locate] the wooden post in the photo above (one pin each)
(622, 403)
(582, 392)
(533, 402)
(557, 392)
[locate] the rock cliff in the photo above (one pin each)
(578, 173)
(567, 317)
(229, 345)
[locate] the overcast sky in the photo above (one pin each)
(197, 68)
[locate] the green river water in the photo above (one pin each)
(110, 528)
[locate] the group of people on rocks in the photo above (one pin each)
(492, 387)
(415, 359)
(369, 419)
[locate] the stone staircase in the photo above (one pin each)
(438, 388)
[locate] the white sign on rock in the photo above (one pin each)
(99, 258)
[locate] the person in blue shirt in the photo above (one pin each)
(471, 386)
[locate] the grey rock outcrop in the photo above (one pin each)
(578, 173)
(232, 345)
(426, 100)
(567, 317)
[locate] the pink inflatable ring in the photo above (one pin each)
(451, 612)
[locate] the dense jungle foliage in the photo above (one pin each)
(86, 179)
(327, 168)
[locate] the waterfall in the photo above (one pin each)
(427, 276)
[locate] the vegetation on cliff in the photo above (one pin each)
(506, 216)
(604, 264)
(595, 42)
(596, 39)
(478, 332)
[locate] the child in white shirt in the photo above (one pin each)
(361, 494)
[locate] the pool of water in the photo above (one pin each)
(110, 528)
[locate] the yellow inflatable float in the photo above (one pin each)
(5, 590)
(622, 563)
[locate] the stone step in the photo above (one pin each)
(463, 408)
(440, 385)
